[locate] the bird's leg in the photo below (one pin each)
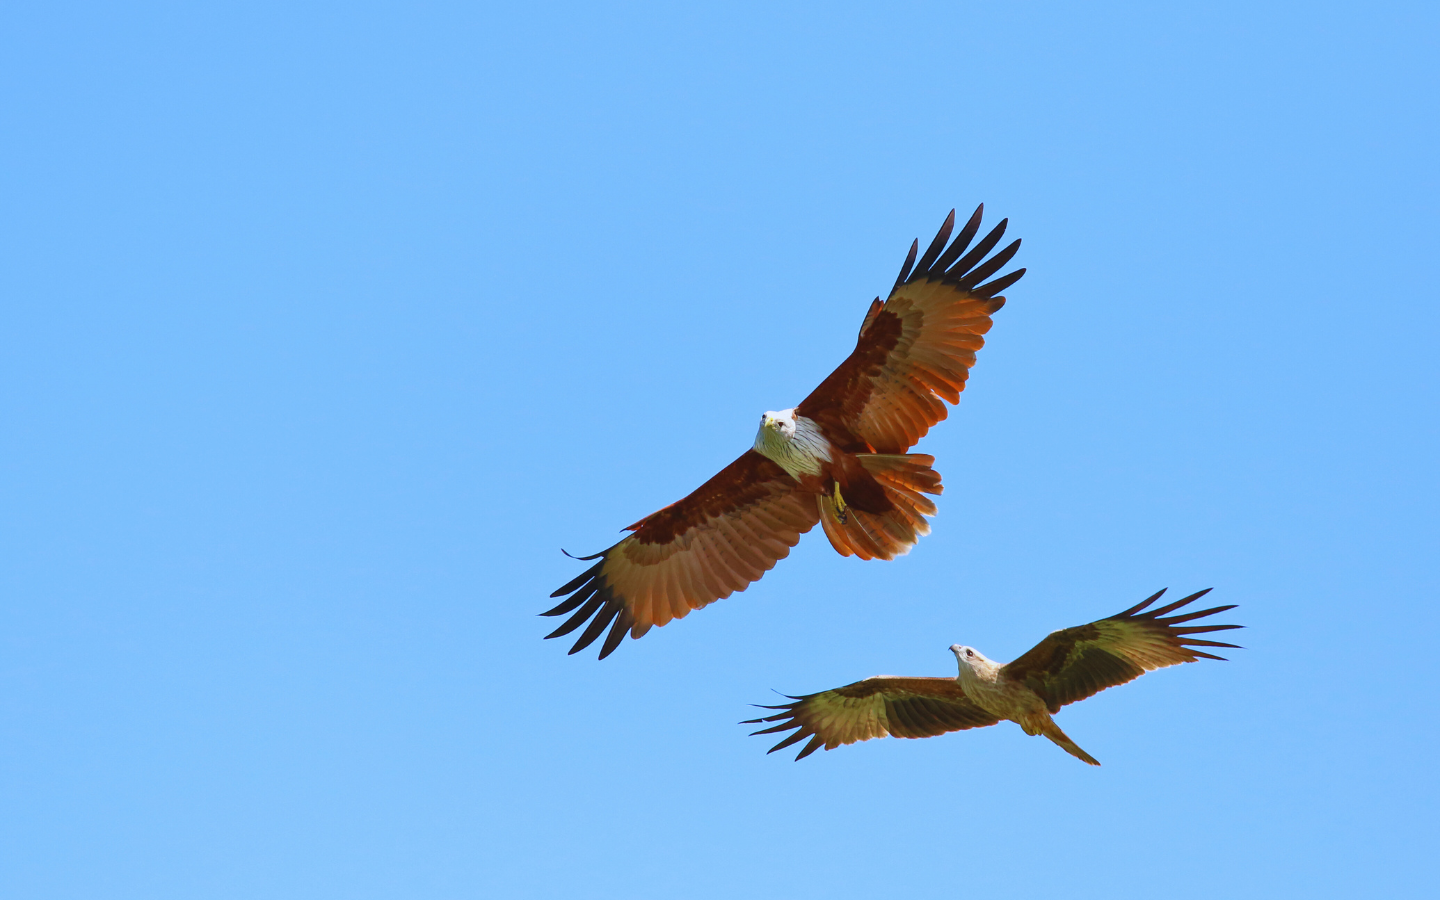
(842, 511)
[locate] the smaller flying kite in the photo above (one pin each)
(1069, 665)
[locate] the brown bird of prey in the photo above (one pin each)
(1069, 665)
(839, 458)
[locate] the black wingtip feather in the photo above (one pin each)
(962, 240)
(999, 284)
(1204, 628)
(938, 244)
(574, 600)
(783, 726)
(1143, 603)
(574, 621)
(617, 633)
(815, 743)
(1171, 607)
(763, 719)
(1176, 620)
(909, 261)
(990, 267)
(584, 558)
(583, 577)
(797, 736)
(601, 621)
(987, 243)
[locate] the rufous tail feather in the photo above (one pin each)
(904, 478)
(1062, 740)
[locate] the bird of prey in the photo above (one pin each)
(839, 457)
(1069, 665)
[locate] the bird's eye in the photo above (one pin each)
(969, 652)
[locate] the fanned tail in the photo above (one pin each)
(905, 478)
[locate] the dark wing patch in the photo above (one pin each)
(875, 707)
(1075, 663)
(915, 350)
(716, 541)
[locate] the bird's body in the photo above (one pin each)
(986, 685)
(1067, 666)
(840, 457)
(801, 447)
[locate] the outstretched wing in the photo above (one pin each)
(916, 349)
(724, 535)
(1075, 663)
(876, 707)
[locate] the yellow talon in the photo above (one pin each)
(842, 511)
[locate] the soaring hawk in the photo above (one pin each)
(838, 458)
(1069, 665)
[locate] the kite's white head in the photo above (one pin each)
(973, 662)
(793, 441)
(779, 424)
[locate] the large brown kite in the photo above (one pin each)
(1069, 665)
(838, 458)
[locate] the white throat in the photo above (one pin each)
(978, 673)
(793, 442)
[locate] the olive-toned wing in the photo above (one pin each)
(720, 538)
(916, 349)
(1075, 663)
(876, 707)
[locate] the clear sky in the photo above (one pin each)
(326, 326)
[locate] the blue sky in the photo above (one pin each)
(326, 326)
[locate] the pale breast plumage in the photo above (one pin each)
(802, 451)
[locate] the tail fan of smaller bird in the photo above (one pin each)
(1062, 740)
(905, 478)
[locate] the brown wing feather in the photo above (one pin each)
(916, 349)
(876, 707)
(1075, 663)
(723, 536)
